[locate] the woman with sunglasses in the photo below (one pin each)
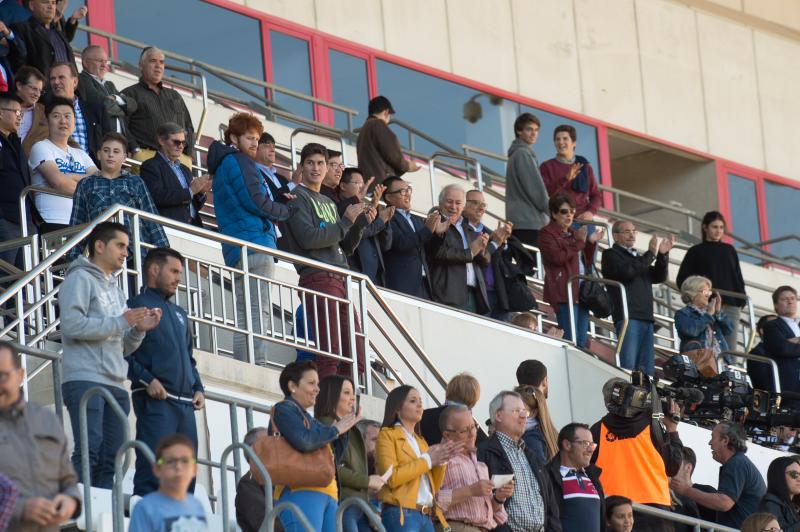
(564, 255)
(782, 499)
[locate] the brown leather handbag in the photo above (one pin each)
(704, 359)
(289, 467)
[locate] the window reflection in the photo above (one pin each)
(291, 69)
(782, 202)
(350, 87)
(743, 211)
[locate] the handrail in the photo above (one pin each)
(291, 507)
(776, 378)
(117, 497)
(370, 514)
(623, 297)
(698, 524)
(55, 361)
(308, 131)
(441, 154)
(267, 524)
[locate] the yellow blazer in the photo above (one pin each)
(402, 487)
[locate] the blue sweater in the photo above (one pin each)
(166, 352)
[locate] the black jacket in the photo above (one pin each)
(115, 116)
(787, 354)
(760, 374)
(171, 199)
(593, 472)
(38, 51)
(93, 115)
(429, 427)
(637, 274)
(785, 513)
(404, 256)
(250, 505)
(367, 257)
(494, 456)
(14, 176)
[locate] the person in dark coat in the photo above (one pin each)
(15, 176)
(782, 339)
(250, 502)
(761, 375)
(463, 389)
(44, 39)
(782, 499)
(279, 187)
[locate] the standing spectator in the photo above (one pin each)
(782, 340)
(97, 91)
(379, 151)
(88, 115)
(637, 272)
(533, 507)
(367, 257)
(540, 434)
(166, 389)
(740, 485)
(176, 194)
(113, 185)
(533, 373)
(33, 456)
(464, 390)
(417, 471)
(404, 256)
(783, 492)
(526, 195)
(467, 497)
(250, 503)
(719, 262)
(316, 231)
(57, 165)
(563, 255)
(299, 382)
(619, 514)
(760, 373)
(172, 506)
(29, 84)
(576, 481)
(279, 187)
(44, 40)
(457, 256)
(9, 46)
(330, 184)
(702, 324)
(245, 210)
(98, 332)
(14, 175)
(156, 105)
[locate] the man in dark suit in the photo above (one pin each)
(782, 339)
(170, 183)
(45, 42)
(404, 256)
(88, 115)
(95, 89)
(278, 185)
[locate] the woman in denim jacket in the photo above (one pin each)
(300, 383)
(701, 324)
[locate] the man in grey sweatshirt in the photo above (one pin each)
(98, 332)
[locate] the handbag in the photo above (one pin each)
(704, 359)
(594, 296)
(289, 467)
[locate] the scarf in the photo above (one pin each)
(581, 181)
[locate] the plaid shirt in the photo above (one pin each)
(81, 133)
(96, 193)
(526, 507)
(8, 498)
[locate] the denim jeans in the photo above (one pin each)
(106, 430)
(9, 231)
(581, 322)
(319, 509)
(637, 346)
(260, 309)
(354, 520)
(413, 521)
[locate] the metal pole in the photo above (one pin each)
(432, 172)
(117, 497)
(248, 313)
(351, 325)
(479, 174)
(267, 524)
(370, 514)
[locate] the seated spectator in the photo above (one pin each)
(245, 210)
(619, 514)
(417, 471)
(44, 40)
(156, 105)
(463, 389)
(564, 255)
(367, 257)
(702, 324)
(29, 84)
(526, 195)
(761, 522)
(457, 256)
(576, 481)
(761, 375)
(467, 496)
(684, 505)
(379, 152)
(782, 340)
(113, 185)
(495, 272)
(88, 115)
(404, 256)
(175, 468)
(33, 456)
(14, 175)
(9, 45)
(533, 373)
(250, 502)
(783, 492)
(540, 434)
(527, 320)
(97, 91)
(176, 194)
(330, 184)
(317, 232)
(280, 188)
(57, 165)
(740, 485)
(533, 505)
(300, 384)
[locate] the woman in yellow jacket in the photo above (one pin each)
(417, 471)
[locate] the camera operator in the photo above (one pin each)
(637, 454)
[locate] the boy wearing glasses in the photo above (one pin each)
(172, 507)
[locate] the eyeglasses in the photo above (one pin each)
(586, 444)
(177, 143)
(17, 112)
(33, 88)
(793, 474)
(477, 203)
(566, 211)
(340, 166)
(172, 462)
(403, 191)
(463, 432)
(522, 412)
(773, 529)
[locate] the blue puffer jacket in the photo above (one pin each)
(242, 201)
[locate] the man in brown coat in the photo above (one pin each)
(379, 151)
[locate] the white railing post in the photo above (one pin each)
(248, 313)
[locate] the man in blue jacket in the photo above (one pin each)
(165, 385)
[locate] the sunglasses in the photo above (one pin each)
(566, 211)
(178, 143)
(793, 474)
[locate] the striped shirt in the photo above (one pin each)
(8, 498)
(526, 508)
(464, 470)
(580, 511)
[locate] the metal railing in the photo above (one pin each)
(776, 377)
(623, 297)
(117, 496)
(326, 134)
(698, 524)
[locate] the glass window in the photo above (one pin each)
(782, 203)
(214, 35)
(291, 69)
(350, 86)
(744, 211)
(81, 39)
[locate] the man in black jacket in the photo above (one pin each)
(45, 43)
(279, 187)
(88, 115)
(250, 503)
(782, 339)
(533, 506)
(637, 272)
(14, 174)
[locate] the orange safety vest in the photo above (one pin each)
(632, 467)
